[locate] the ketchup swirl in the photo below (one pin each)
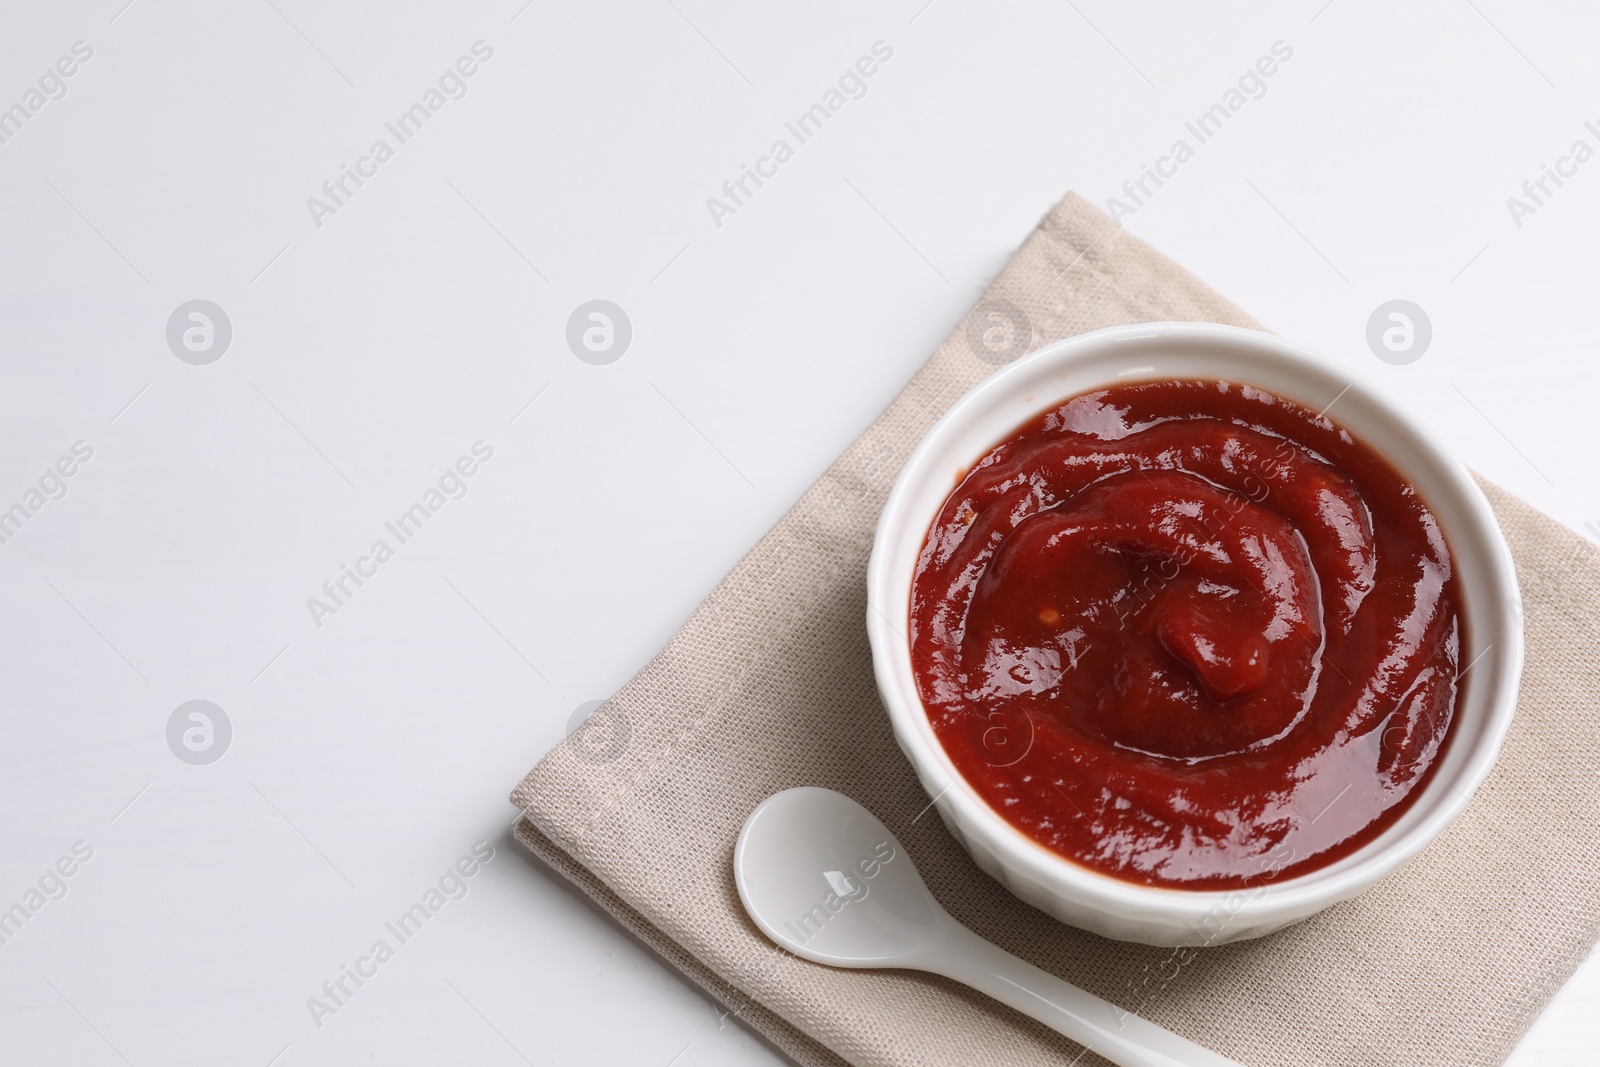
(1188, 633)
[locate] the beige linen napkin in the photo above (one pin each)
(769, 685)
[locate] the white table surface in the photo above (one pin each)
(369, 352)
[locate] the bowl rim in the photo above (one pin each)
(1269, 902)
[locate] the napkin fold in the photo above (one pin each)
(769, 685)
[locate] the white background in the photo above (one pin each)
(372, 351)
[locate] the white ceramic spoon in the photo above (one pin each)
(822, 877)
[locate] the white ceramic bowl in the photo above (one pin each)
(998, 406)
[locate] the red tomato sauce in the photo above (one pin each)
(1188, 634)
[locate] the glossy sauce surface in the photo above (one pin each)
(1188, 634)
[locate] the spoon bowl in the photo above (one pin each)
(824, 878)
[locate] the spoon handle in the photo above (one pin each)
(1118, 1035)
